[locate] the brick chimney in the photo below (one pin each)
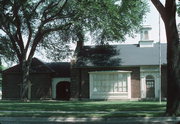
(79, 44)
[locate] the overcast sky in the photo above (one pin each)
(152, 19)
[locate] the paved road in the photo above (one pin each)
(60, 120)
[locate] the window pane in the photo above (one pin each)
(113, 82)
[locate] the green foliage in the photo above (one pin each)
(178, 8)
(2, 68)
(109, 21)
(106, 21)
(54, 23)
(6, 50)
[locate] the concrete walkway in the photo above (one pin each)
(87, 120)
(81, 112)
(59, 120)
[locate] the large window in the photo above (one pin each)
(110, 85)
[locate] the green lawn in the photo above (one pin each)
(110, 107)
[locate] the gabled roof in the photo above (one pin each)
(120, 55)
(61, 69)
(57, 69)
(37, 66)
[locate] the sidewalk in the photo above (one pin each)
(86, 120)
(122, 120)
(81, 112)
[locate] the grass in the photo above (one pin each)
(110, 107)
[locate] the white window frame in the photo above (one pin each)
(112, 94)
(149, 70)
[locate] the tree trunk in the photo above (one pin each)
(25, 65)
(173, 67)
(168, 14)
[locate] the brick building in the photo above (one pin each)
(126, 71)
(120, 71)
(48, 81)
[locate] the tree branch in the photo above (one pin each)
(46, 11)
(38, 4)
(29, 37)
(161, 9)
(61, 27)
(14, 45)
(27, 21)
(17, 23)
(38, 38)
(170, 7)
(41, 33)
(56, 14)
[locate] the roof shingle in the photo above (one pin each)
(121, 55)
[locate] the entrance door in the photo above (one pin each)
(150, 87)
(63, 91)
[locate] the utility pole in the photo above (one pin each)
(0, 60)
(0, 63)
(160, 59)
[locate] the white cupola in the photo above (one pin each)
(145, 37)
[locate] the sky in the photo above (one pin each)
(152, 19)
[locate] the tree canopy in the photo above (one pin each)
(178, 8)
(29, 21)
(6, 50)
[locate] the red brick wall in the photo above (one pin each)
(41, 86)
(75, 81)
(10, 86)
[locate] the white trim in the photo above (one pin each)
(129, 85)
(145, 71)
(55, 81)
(98, 72)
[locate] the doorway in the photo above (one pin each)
(63, 90)
(150, 86)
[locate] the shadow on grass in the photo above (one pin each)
(94, 106)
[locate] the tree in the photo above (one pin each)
(30, 23)
(33, 20)
(106, 21)
(6, 51)
(178, 8)
(168, 14)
